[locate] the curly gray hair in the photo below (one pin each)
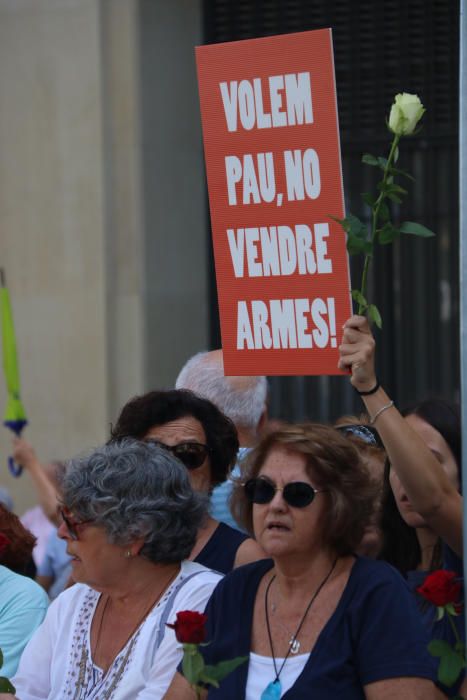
(136, 490)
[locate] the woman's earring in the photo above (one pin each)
(128, 554)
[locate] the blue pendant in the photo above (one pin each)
(272, 691)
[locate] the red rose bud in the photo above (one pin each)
(441, 587)
(4, 542)
(189, 627)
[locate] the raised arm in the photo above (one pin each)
(25, 455)
(425, 482)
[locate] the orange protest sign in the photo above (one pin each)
(272, 153)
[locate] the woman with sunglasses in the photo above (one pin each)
(195, 431)
(422, 504)
(130, 518)
(317, 622)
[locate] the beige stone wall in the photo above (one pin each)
(52, 221)
(100, 316)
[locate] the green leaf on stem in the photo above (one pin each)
(6, 686)
(357, 235)
(356, 245)
(439, 613)
(451, 663)
(404, 173)
(222, 669)
(452, 610)
(192, 664)
(416, 229)
(375, 316)
(345, 223)
(352, 224)
(382, 162)
(359, 298)
(398, 189)
(390, 188)
(207, 679)
(396, 154)
(393, 197)
(368, 199)
(369, 159)
(388, 233)
(356, 227)
(383, 212)
(438, 647)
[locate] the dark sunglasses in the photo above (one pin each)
(297, 494)
(191, 454)
(366, 433)
(72, 525)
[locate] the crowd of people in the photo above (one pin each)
(305, 546)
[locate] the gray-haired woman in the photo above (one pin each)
(130, 518)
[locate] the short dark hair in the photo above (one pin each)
(136, 490)
(155, 408)
(334, 464)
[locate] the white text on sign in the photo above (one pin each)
(285, 323)
(258, 180)
(244, 99)
(279, 250)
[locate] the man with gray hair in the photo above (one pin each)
(242, 399)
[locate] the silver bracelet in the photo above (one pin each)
(381, 410)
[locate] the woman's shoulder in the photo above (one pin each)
(227, 532)
(371, 574)
(221, 549)
(244, 579)
(20, 590)
(197, 574)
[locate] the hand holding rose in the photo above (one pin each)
(357, 353)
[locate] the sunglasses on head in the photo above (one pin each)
(366, 433)
(297, 494)
(191, 454)
(72, 525)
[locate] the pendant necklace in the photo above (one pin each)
(294, 643)
(274, 689)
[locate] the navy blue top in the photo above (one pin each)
(221, 548)
(440, 629)
(375, 633)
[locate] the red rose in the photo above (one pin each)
(4, 542)
(441, 587)
(189, 627)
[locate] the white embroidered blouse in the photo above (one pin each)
(57, 663)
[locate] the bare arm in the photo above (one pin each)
(180, 689)
(24, 454)
(248, 551)
(397, 688)
(424, 480)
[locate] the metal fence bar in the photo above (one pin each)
(463, 241)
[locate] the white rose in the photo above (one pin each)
(406, 112)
